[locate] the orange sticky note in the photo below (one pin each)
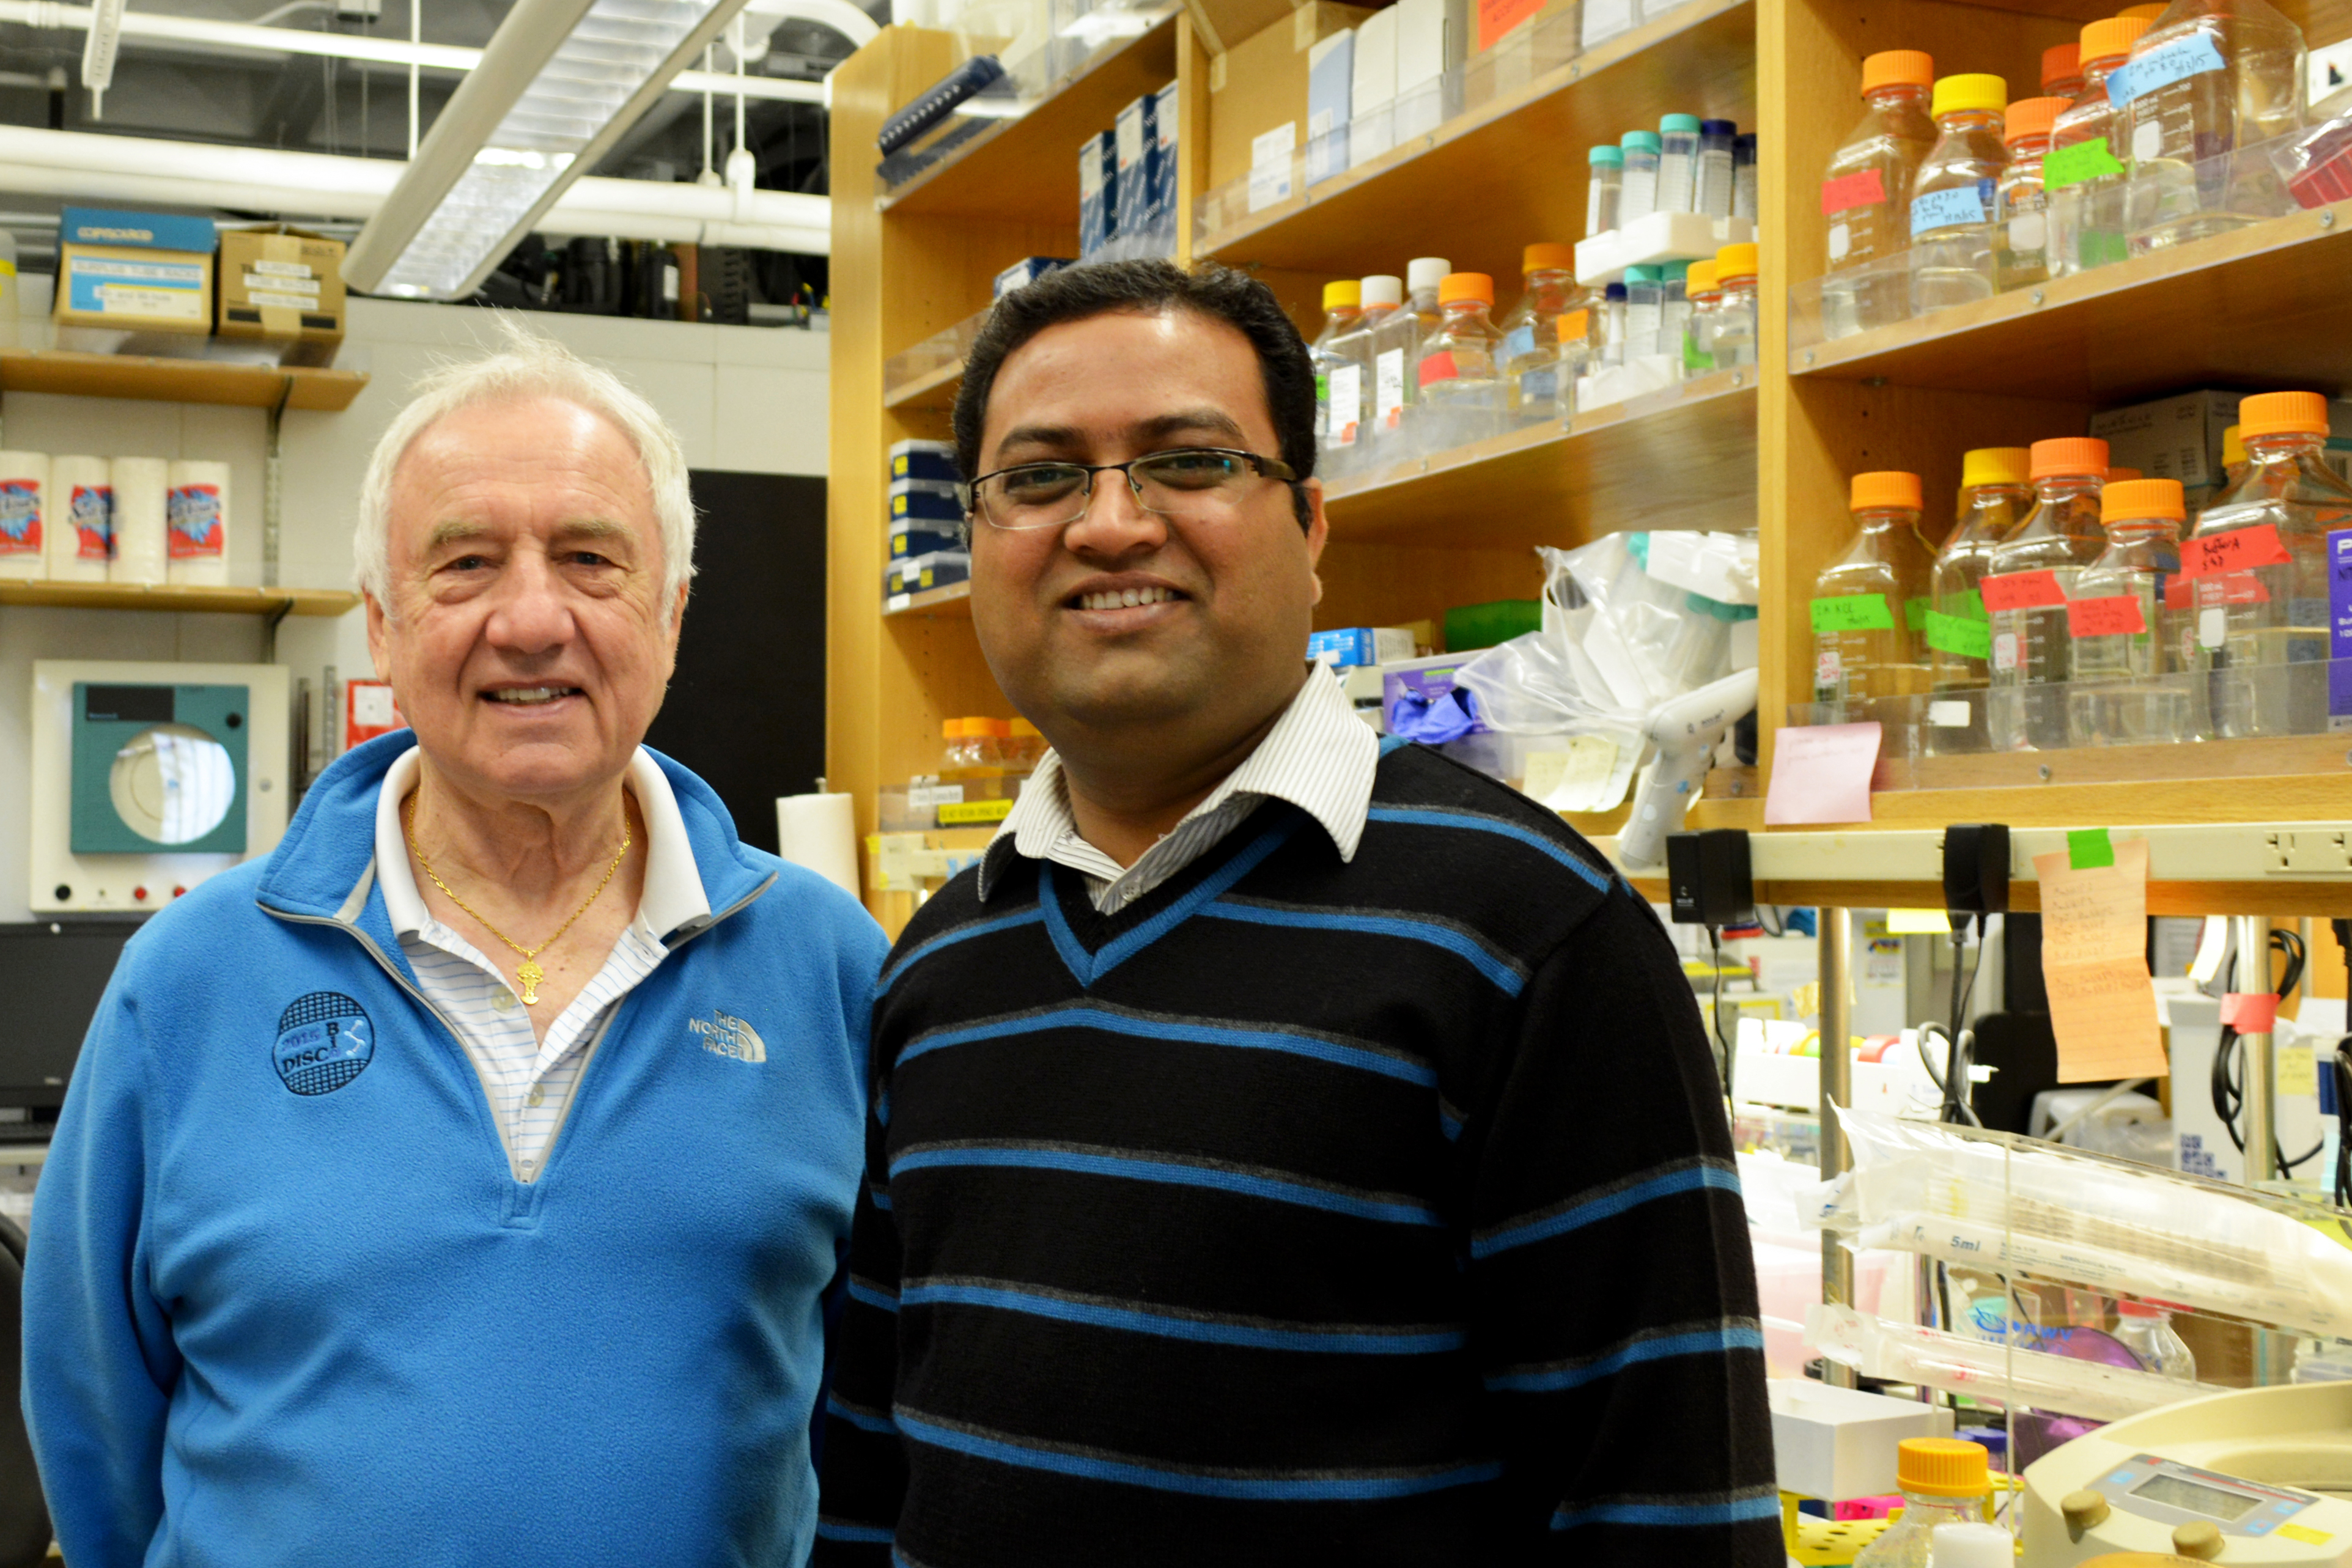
(2094, 966)
(1820, 773)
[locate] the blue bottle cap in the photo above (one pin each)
(1612, 157)
(1717, 128)
(1679, 122)
(1614, 292)
(1641, 141)
(1746, 144)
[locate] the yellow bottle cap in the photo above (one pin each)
(2233, 446)
(1898, 67)
(1735, 261)
(2112, 38)
(1994, 465)
(1975, 93)
(1467, 285)
(2282, 413)
(1942, 1467)
(1349, 294)
(2068, 455)
(1547, 258)
(2123, 501)
(996, 728)
(1882, 490)
(1700, 279)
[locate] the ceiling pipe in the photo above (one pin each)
(149, 27)
(72, 163)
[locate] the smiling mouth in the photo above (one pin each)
(530, 697)
(1124, 598)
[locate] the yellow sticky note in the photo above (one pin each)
(1917, 922)
(1575, 779)
(2094, 966)
(2298, 1070)
(2304, 1533)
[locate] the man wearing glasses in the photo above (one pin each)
(1287, 1146)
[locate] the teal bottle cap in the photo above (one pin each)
(1641, 141)
(1641, 275)
(1613, 157)
(1679, 122)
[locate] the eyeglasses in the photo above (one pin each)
(1201, 483)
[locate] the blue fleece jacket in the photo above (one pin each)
(285, 1304)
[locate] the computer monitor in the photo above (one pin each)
(52, 973)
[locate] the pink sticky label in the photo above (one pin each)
(1820, 773)
(1438, 367)
(2116, 616)
(1847, 192)
(20, 516)
(2250, 1012)
(192, 513)
(2237, 549)
(2021, 590)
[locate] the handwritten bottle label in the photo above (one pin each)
(1851, 613)
(2022, 591)
(1959, 635)
(2083, 161)
(1952, 208)
(2164, 65)
(2232, 549)
(1438, 367)
(2115, 616)
(1847, 192)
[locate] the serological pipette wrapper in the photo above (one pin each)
(2011, 1205)
(2001, 1373)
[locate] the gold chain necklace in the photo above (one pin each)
(531, 974)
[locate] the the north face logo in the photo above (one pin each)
(723, 1034)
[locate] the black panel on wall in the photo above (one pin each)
(745, 709)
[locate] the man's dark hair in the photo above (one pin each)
(1218, 293)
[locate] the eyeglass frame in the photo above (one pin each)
(1273, 468)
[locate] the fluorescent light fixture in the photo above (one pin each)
(560, 82)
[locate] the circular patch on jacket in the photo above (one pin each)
(324, 1040)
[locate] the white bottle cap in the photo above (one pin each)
(1973, 1546)
(1383, 290)
(1427, 271)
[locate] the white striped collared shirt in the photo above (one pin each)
(529, 1079)
(1318, 755)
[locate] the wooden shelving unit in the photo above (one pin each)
(954, 600)
(178, 380)
(274, 601)
(2265, 307)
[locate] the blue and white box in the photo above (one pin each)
(1139, 149)
(1352, 646)
(1331, 95)
(923, 460)
(910, 537)
(1372, 88)
(1026, 271)
(910, 575)
(1166, 121)
(1098, 192)
(925, 501)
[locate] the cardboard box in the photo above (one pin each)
(1350, 647)
(1136, 135)
(1330, 94)
(911, 575)
(909, 538)
(1429, 50)
(2176, 437)
(150, 272)
(1027, 270)
(280, 284)
(926, 506)
(1261, 84)
(1372, 94)
(1166, 120)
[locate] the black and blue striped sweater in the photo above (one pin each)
(1303, 1213)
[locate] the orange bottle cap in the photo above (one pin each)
(951, 729)
(1001, 728)
(2123, 500)
(2032, 116)
(1898, 68)
(2282, 413)
(2061, 62)
(1467, 285)
(1348, 294)
(2086, 456)
(1699, 279)
(1025, 730)
(1888, 489)
(2117, 476)
(2148, 14)
(2112, 38)
(1994, 465)
(1735, 261)
(1547, 258)
(1976, 92)
(1942, 1467)
(2233, 447)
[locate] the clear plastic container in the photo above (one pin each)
(1674, 306)
(1396, 357)
(2258, 573)
(1025, 747)
(1536, 391)
(2062, 72)
(1866, 192)
(1460, 387)
(2025, 588)
(1995, 497)
(2085, 166)
(1698, 326)
(1613, 324)
(1349, 435)
(2022, 244)
(1953, 202)
(2145, 1330)
(1644, 305)
(1743, 176)
(1869, 608)
(2130, 647)
(1735, 309)
(2211, 78)
(1342, 305)
(1715, 166)
(1640, 196)
(1677, 165)
(1944, 1480)
(1607, 175)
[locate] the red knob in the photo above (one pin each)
(140, 893)
(179, 891)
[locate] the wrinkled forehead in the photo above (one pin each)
(540, 465)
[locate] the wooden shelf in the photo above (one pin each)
(937, 389)
(276, 602)
(1511, 171)
(1681, 458)
(178, 380)
(2267, 306)
(952, 600)
(1028, 168)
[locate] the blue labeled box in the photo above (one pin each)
(920, 574)
(909, 538)
(1025, 271)
(1349, 647)
(925, 506)
(134, 271)
(923, 460)
(2339, 629)
(1098, 192)
(1167, 126)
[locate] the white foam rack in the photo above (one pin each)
(2314, 851)
(1661, 237)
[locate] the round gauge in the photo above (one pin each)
(172, 784)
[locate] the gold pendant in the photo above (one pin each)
(531, 974)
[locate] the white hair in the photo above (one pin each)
(528, 366)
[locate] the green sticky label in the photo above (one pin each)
(1915, 613)
(2084, 161)
(2101, 247)
(1851, 613)
(1959, 635)
(2087, 848)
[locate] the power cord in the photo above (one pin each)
(1730, 1055)
(1959, 1040)
(2229, 1071)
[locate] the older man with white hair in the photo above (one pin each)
(464, 1183)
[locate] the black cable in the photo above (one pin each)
(1953, 1078)
(1715, 946)
(2228, 1083)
